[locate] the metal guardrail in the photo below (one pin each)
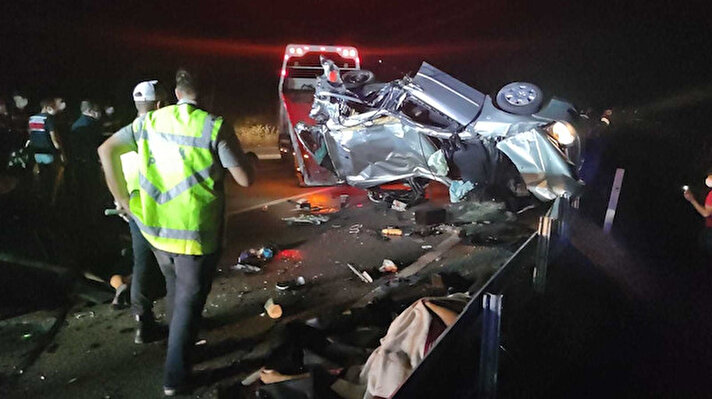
(465, 359)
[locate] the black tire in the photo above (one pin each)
(355, 79)
(520, 98)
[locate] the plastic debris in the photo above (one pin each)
(355, 228)
(392, 232)
(363, 276)
(252, 260)
(72, 381)
(388, 267)
(343, 200)
(399, 206)
(201, 342)
(297, 282)
(274, 311)
(27, 336)
(246, 268)
(82, 315)
(427, 246)
(303, 203)
(306, 219)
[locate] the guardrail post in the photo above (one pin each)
(542, 253)
(613, 200)
(565, 205)
(489, 348)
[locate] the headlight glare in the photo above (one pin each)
(563, 133)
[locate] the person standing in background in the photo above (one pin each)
(705, 210)
(48, 149)
(148, 96)
(84, 138)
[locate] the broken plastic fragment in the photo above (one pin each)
(246, 268)
(363, 276)
(399, 206)
(82, 315)
(306, 219)
(392, 232)
(388, 267)
(274, 311)
(298, 282)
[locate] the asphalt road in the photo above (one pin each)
(93, 354)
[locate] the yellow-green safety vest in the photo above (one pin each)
(178, 209)
(129, 164)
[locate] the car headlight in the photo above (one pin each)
(563, 133)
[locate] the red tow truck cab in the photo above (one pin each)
(297, 83)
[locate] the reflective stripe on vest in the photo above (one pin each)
(178, 208)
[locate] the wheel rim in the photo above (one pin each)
(520, 94)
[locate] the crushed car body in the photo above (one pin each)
(370, 134)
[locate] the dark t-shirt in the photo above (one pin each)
(40, 125)
(85, 138)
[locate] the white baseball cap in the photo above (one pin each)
(146, 91)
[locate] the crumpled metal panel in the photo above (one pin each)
(380, 151)
(542, 166)
(447, 94)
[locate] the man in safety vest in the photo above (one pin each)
(148, 96)
(182, 153)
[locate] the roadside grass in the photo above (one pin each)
(256, 131)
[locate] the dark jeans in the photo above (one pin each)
(188, 282)
(704, 240)
(85, 187)
(145, 270)
(47, 181)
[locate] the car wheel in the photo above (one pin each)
(520, 98)
(355, 79)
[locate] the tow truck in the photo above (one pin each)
(297, 84)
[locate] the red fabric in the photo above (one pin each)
(708, 203)
(437, 327)
(37, 125)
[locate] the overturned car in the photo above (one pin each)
(434, 127)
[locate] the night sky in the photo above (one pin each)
(593, 54)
